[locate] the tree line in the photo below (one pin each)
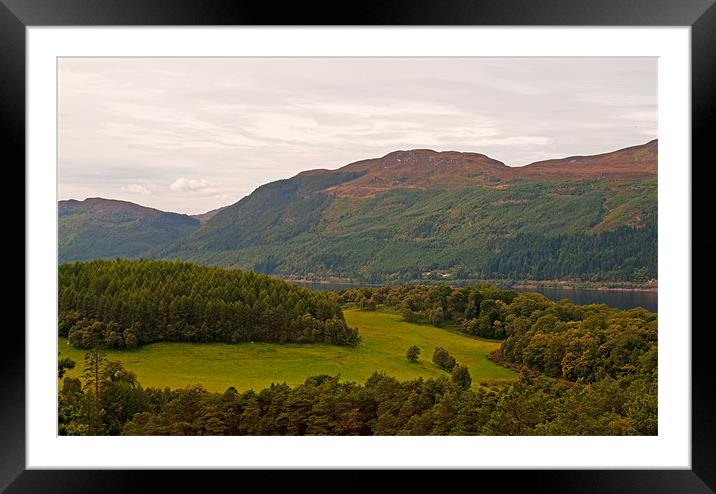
(475, 310)
(110, 401)
(123, 304)
(558, 338)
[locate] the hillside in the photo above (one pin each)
(632, 162)
(99, 228)
(427, 214)
(204, 217)
(123, 304)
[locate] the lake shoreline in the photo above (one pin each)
(518, 285)
(596, 288)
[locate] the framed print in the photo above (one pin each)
(424, 238)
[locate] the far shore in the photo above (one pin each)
(599, 288)
(614, 286)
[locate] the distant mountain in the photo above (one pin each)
(632, 162)
(426, 214)
(427, 169)
(99, 228)
(204, 217)
(419, 169)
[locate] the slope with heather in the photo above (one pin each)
(421, 213)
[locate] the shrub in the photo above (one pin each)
(413, 353)
(443, 359)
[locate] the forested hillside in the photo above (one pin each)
(421, 214)
(625, 253)
(101, 228)
(124, 303)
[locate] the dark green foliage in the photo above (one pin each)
(123, 304)
(444, 360)
(367, 304)
(72, 418)
(382, 406)
(108, 399)
(583, 343)
(413, 353)
(410, 315)
(63, 365)
(95, 362)
(622, 254)
(476, 310)
(460, 375)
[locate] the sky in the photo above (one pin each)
(193, 134)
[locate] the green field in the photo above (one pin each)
(385, 339)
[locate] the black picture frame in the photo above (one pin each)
(700, 15)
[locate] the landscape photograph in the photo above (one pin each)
(372, 246)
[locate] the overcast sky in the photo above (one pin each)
(190, 135)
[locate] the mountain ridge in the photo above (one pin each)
(526, 171)
(453, 214)
(450, 169)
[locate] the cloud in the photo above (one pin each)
(136, 189)
(190, 185)
(129, 123)
(650, 116)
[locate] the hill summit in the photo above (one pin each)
(428, 169)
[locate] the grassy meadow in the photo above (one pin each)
(385, 339)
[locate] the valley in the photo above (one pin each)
(174, 348)
(385, 339)
(217, 329)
